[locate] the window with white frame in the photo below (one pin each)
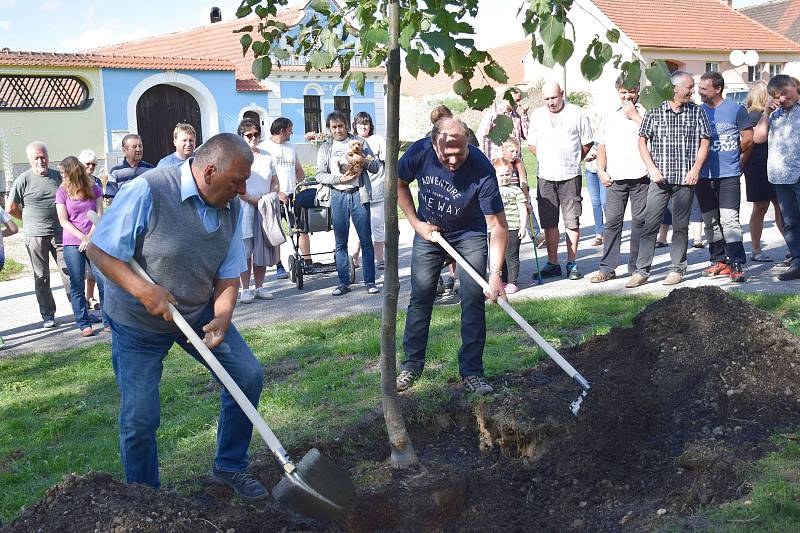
(775, 69)
(712, 66)
(754, 73)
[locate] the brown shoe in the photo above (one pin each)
(637, 280)
(673, 278)
(600, 277)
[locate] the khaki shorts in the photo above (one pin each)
(550, 195)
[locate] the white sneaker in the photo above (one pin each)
(247, 296)
(263, 294)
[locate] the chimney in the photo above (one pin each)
(216, 15)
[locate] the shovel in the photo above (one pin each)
(315, 486)
(543, 344)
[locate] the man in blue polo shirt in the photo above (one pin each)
(131, 167)
(458, 197)
(718, 190)
(183, 225)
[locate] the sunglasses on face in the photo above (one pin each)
(251, 135)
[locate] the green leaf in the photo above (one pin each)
(280, 53)
(437, 40)
(262, 67)
(632, 74)
(605, 53)
(428, 64)
(262, 12)
(412, 62)
(406, 34)
(247, 29)
(551, 29)
(591, 68)
(496, 72)
(481, 98)
(562, 51)
(503, 126)
(612, 35)
(650, 97)
(346, 82)
(320, 6)
(321, 60)
(360, 80)
(378, 35)
(462, 87)
(659, 75)
(243, 11)
(246, 41)
(257, 46)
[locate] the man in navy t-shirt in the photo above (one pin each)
(718, 188)
(460, 198)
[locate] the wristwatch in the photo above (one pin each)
(496, 272)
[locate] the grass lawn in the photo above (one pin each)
(11, 269)
(59, 409)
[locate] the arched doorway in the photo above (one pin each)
(158, 110)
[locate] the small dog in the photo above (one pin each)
(354, 160)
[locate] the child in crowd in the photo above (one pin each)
(516, 211)
(511, 152)
(7, 229)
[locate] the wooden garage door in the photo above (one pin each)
(158, 110)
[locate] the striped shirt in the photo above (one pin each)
(675, 138)
(512, 197)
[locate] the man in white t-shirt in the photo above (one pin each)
(560, 136)
(290, 173)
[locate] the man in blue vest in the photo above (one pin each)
(183, 225)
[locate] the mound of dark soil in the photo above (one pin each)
(679, 402)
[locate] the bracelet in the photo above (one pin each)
(496, 272)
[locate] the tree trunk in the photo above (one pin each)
(403, 454)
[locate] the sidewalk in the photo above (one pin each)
(22, 331)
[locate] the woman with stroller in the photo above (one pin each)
(77, 195)
(263, 180)
(340, 167)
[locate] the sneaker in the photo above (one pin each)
(550, 270)
(637, 280)
(598, 241)
(673, 278)
(572, 272)
(405, 380)
(93, 304)
(700, 243)
(280, 272)
(448, 298)
(511, 288)
(476, 385)
(49, 323)
(787, 261)
(341, 289)
(244, 484)
(717, 268)
(263, 294)
(737, 273)
(372, 289)
(790, 274)
(247, 296)
(601, 277)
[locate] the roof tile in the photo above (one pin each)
(782, 16)
(52, 59)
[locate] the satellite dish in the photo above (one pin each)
(736, 58)
(751, 58)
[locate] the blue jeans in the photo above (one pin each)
(597, 192)
(427, 259)
(137, 356)
(76, 267)
(789, 200)
(346, 206)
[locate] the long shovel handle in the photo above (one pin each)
(226, 379)
(543, 344)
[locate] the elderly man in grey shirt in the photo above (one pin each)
(33, 198)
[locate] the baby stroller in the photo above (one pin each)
(305, 215)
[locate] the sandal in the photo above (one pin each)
(87, 332)
(760, 257)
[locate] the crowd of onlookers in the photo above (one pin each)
(676, 164)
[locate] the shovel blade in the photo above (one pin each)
(325, 478)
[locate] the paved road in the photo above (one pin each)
(21, 323)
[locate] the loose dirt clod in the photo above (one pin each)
(679, 401)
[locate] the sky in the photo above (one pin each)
(74, 25)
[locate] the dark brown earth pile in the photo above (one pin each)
(679, 402)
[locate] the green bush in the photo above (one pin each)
(579, 98)
(455, 104)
